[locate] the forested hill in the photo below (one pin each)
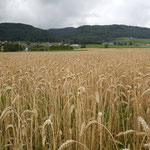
(97, 33)
(82, 34)
(23, 32)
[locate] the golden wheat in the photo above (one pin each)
(97, 100)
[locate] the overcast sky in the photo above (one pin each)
(65, 13)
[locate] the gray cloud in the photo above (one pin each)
(62, 13)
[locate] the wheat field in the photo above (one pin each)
(92, 100)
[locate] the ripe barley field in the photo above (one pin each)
(92, 100)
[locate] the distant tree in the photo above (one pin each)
(99, 43)
(76, 41)
(28, 43)
(120, 43)
(106, 45)
(130, 43)
(12, 47)
(83, 45)
(115, 43)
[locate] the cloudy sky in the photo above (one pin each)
(64, 13)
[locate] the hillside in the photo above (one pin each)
(23, 32)
(83, 34)
(96, 33)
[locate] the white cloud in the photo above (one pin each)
(61, 13)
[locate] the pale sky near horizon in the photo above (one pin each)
(73, 13)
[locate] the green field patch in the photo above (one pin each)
(133, 40)
(112, 46)
(66, 48)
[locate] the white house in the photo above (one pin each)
(27, 49)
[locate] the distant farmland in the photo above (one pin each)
(133, 40)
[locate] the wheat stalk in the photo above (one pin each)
(70, 142)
